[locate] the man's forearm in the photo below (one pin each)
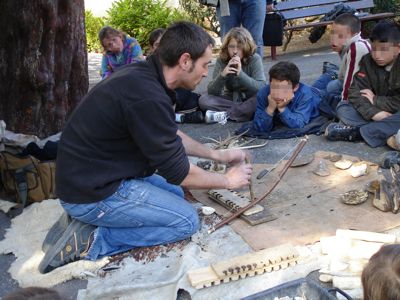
(195, 148)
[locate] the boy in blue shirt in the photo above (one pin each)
(285, 100)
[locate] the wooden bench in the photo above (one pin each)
(300, 9)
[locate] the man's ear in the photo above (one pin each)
(185, 61)
(296, 88)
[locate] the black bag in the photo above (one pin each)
(205, 2)
(273, 29)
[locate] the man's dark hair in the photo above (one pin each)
(386, 32)
(285, 70)
(154, 35)
(183, 37)
(350, 20)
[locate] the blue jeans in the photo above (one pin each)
(142, 212)
(326, 83)
(248, 13)
(374, 133)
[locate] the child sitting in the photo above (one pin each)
(372, 113)
(285, 100)
(381, 276)
(237, 77)
(120, 50)
(346, 40)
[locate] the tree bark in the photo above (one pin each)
(43, 63)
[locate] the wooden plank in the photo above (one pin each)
(269, 259)
(307, 12)
(297, 4)
(325, 23)
(248, 265)
(256, 216)
(321, 9)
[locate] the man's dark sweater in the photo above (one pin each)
(124, 128)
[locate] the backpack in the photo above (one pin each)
(27, 179)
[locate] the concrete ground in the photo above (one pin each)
(310, 64)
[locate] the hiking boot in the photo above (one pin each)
(389, 159)
(393, 143)
(56, 231)
(340, 132)
(216, 117)
(71, 246)
(193, 117)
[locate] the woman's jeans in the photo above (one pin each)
(248, 13)
(142, 212)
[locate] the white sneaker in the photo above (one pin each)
(216, 117)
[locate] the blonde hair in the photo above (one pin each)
(381, 276)
(243, 38)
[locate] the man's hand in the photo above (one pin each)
(232, 156)
(367, 93)
(238, 176)
(271, 106)
(381, 115)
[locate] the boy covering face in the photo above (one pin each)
(372, 113)
(285, 101)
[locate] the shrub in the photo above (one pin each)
(138, 18)
(93, 25)
(205, 16)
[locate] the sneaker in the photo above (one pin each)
(56, 231)
(392, 142)
(340, 132)
(216, 117)
(71, 246)
(193, 117)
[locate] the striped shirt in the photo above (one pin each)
(350, 56)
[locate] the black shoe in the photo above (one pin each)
(340, 132)
(193, 117)
(56, 231)
(71, 246)
(389, 159)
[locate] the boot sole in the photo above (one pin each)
(52, 252)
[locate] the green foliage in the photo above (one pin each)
(138, 18)
(205, 16)
(93, 25)
(386, 6)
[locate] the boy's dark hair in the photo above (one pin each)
(154, 35)
(350, 20)
(285, 70)
(386, 32)
(183, 37)
(381, 276)
(34, 293)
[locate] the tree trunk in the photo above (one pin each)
(43, 63)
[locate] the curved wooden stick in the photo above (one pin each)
(243, 209)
